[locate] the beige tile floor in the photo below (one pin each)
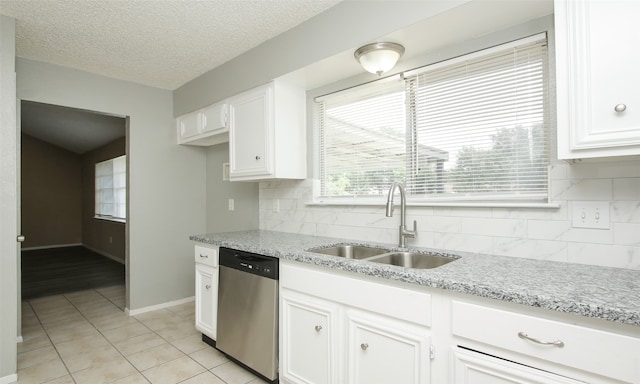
(86, 338)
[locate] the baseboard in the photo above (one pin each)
(102, 253)
(52, 246)
(168, 304)
(9, 379)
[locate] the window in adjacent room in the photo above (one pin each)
(111, 189)
(470, 129)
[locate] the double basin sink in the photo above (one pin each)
(384, 256)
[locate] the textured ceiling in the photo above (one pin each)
(160, 43)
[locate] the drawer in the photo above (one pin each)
(206, 255)
(605, 353)
(401, 303)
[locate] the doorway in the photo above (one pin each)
(68, 247)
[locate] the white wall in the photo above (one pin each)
(167, 181)
(8, 204)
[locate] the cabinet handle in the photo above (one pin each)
(318, 328)
(257, 157)
(207, 286)
(204, 256)
(555, 343)
(620, 108)
(364, 346)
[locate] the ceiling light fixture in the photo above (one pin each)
(379, 57)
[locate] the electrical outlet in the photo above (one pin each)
(231, 205)
(591, 214)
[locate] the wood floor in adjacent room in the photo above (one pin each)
(53, 271)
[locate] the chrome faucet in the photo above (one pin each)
(403, 232)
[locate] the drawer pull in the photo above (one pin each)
(204, 256)
(555, 343)
(364, 346)
(318, 328)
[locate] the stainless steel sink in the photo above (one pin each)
(384, 256)
(413, 260)
(350, 251)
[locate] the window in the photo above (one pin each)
(473, 128)
(111, 189)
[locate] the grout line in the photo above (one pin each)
(172, 313)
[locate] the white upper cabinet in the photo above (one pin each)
(597, 75)
(267, 133)
(204, 127)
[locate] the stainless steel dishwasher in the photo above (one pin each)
(247, 330)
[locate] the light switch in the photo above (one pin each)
(591, 214)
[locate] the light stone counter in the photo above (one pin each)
(599, 292)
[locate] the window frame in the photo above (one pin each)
(541, 200)
(113, 189)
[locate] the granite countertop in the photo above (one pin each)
(592, 291)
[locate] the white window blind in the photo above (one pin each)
(111, 188)
(474, 128)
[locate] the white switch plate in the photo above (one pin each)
(231, 205)
(591, 214)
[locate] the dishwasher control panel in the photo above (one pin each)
(253, 263)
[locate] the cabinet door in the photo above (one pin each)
(476, 368)
(214, 118)
(188, 126)
(381, 350)
(308, 329)
(206, 299)
(250, 133)
(598, 108)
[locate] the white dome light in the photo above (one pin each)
(379, 57)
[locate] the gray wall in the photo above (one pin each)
(219, 191)
(9, 281)
(166, 181)
(349, 24)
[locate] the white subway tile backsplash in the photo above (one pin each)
(460, 242)
(532, 249)
(626, 189)
(627, 234)
(494, 227)
(547, 229)
(538, 233)
(605, 255)
(625, 211)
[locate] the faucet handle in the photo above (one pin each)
(415, 229)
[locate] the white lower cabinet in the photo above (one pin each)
(206, 299)
(470, 367)
(381, 350)
(336, 329)
(206, 269)
(564, 348)
(309, 339)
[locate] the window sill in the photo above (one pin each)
(515, 204)
(114, 219)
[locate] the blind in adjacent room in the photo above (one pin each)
(111, 188)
